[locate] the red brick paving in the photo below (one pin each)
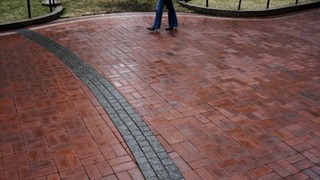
(227, 98)
(52, 127)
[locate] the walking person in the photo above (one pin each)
(172, 17)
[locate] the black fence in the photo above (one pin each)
(52, 3)
(240, 1)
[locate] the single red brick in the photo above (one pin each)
(52, 139)
(120, 160)
(73, 161)
(295, 141)
(62, 163)
(165, 144)
(182, 165)
(299, 176)
(302, 147)
(119, 150)
(85, 112)
(312, 157)
(123, 175)
(24, 172)
(227, 163)
(294, 127)
(295, 158)
(105, 129)
(260, 152)
(72, 173)
(287, 166)
(191, 175)
(7, 149)
(104, 168)
(16, 160)
(202, 118)
(86, 147)
(136, 174)
(40, 178)
(301, 165)
(175, 113)
(173, 137)
(92, 171)
(272, 176)
(200, 163)
(55, 176)
(174, 155)
(107, 140)
(204, 174)
(92, 159)
(283, 134)
(107, 152)
(169, 116)
(110, 177)
(94, 130)
(190, 147)
(124, 166)
(180, 150)
(260, 171)
(279, 169)
(43, 168)
(316, 169)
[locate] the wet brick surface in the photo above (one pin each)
(226, 98)
(151, 157)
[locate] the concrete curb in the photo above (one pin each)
(36, 20)
(260, 13)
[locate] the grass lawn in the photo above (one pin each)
(86, 7)
(12, 10)
(247, 4)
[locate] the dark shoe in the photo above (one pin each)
(153, 29)
(171, 28)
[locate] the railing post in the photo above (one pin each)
(207, 3)
(50, 5)
(239, 6)
(29, 9)
(268, 3)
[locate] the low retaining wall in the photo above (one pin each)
(36, 20)
(240, 13)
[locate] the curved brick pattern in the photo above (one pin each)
(152, 159)
(51, 125)
(226, 98)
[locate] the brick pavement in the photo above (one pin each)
(227, 98)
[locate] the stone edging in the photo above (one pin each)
(150, 155)
(57, 11)
(260, 13)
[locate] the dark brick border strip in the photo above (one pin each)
(36, 20)
(152, 159)
(260, 13)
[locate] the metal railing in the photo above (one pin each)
(52, 3)
(240, 1)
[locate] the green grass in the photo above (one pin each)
(12, 10)
(86, 7)
(247, 4)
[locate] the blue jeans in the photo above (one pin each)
(172, 17)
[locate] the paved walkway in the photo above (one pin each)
(99, 97)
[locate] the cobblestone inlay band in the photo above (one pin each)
(152, 159)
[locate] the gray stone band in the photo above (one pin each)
(151, 157)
